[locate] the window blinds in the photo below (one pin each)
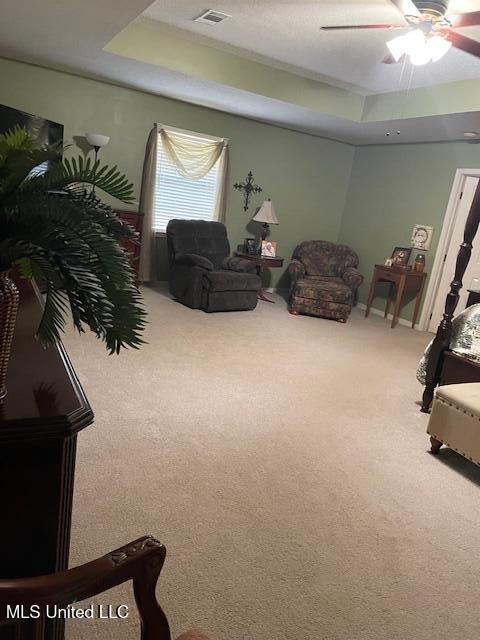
(179, 197)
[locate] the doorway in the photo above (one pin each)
(460, 201)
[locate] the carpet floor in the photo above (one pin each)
(283, 462)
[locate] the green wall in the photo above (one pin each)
(306, 176)
(368, 197)
(392, 188)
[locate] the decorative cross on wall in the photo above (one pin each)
(248, 187)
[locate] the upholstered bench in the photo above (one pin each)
(455, 420)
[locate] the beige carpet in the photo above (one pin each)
(282, 460)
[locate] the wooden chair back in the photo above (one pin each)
(140, 561)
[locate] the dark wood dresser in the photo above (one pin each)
(473, 297)
(457, 369)
(135, 220)
(40, 417)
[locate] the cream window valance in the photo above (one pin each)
(193, 155)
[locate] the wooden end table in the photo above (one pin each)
(402, 281)
(261, 262)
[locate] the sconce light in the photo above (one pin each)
(97, 141)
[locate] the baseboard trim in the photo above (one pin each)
(155, 283)
(280, 290)
(380, 312)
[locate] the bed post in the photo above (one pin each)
(441, 341)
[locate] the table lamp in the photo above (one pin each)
(266, 214)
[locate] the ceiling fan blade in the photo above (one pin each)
(464, 19)
(363, 26)
(464, 44)
(406, 7)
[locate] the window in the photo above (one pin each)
(179, 197)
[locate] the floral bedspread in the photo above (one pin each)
(465, 339)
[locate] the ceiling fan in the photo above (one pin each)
(430, 33)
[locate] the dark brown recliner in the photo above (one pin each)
(203, 275)
(324, 279)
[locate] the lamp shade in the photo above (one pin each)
(97, 139)
(266, 213)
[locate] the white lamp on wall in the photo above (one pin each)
(97, 141)
(267, 215)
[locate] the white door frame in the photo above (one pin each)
(443, 244)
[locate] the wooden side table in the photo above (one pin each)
(261, 262)
(402, 281)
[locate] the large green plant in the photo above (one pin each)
(61, 232)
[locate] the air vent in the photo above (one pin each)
(212, 17)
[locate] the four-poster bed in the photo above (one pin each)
(441, 342)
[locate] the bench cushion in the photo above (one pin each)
(455, 418)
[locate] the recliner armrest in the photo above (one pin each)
(234, 263)
(352, 278)
(194, 260)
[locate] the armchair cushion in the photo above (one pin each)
(322, 258)
(198, 237)
(352, 278)
(234, 263)
(231, 281)
(322, 288)
(194, 260)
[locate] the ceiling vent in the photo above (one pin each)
(212, 17)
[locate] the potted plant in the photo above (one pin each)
(59, 232)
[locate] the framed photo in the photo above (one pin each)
(269, 248)
(401, 256)
(250, 246)
(421, 237)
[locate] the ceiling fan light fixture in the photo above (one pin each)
(420, 48)
(420, 57)
(438, 47)
(412, 44)
(396, 47)
(415, 43)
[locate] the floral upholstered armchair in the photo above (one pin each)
(324, 279)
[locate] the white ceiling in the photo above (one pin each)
(70, 35)
(287, 34)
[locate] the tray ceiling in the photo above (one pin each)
(287, 34)
(285, 70)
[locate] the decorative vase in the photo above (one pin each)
(9, 298)
(419, 265)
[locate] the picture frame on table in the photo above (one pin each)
(269, 248)
(250, 246)
(400, 256)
